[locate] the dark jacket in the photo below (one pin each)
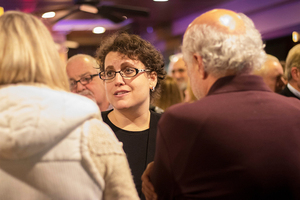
(241, 141)
(287, 92)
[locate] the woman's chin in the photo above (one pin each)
(121, 107)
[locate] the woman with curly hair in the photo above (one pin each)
(132, 70)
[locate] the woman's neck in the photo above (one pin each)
(129, 120)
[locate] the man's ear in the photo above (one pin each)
(152, 79)
(197, 59)
(295, 73)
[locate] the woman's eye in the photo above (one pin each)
(129, 70)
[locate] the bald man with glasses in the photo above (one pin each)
(84, 79)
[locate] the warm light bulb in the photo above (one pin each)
(88, 9)
(295, 36)
(48, 15)
(1, 11)
(98, 30)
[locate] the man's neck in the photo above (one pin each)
(210, 80)
(103, 106)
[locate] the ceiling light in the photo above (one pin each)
(1, 11)
(48, 15)
(295, 36)
(149, 29)
(98, 30)
(160, 0)
(88, 8)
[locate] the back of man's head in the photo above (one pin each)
(227, 42)
(272, 73)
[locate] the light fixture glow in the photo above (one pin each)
(98, 30)
(174, 58)
(48, 14)
(149, 29)
(88, 8)
(160, 0)
(1, 11)
(71, 44)
(295, 36)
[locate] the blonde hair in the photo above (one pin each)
(28, 53)
(191, 96)
(170, 94)
(292, 60)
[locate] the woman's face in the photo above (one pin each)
(126, 93)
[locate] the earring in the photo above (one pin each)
(153, 88)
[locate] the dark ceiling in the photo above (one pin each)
(274, 18)
(160, 12)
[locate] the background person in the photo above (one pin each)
(52, 143)
(170, 94)
(189, 96)
(177, 70)
(84, 79)
(132, 70)
(239, 140)
(272, 73)
(292, 73)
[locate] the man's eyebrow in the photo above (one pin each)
(82, 75)
(109, 67)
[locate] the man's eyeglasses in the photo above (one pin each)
(84, 80)
(178, 70)
(125, 73)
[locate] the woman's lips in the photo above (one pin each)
(120, 93)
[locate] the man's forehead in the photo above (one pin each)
(179, 64)
(80, 69)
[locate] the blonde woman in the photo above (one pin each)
(170, 94)
(53, 144)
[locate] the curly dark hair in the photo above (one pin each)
(135, 48)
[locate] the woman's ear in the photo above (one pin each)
(152, 79)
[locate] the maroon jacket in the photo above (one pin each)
(240, 142)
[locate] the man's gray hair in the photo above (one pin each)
(223, 53)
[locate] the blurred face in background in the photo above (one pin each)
(179, 73)
(272, 74)
(81, 67)
(274, 77)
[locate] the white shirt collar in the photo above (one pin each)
(293, 90)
